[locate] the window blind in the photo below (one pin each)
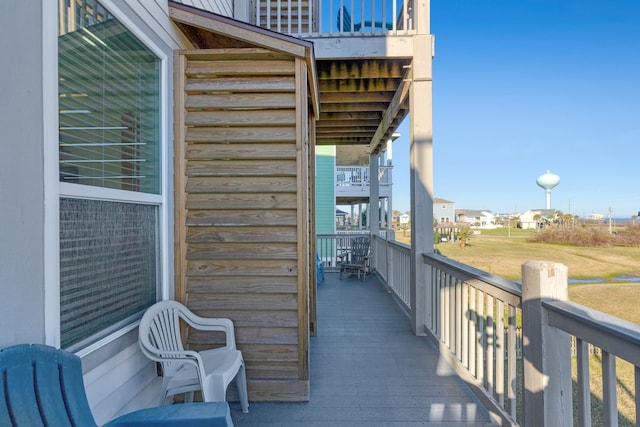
(109, 104)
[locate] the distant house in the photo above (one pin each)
(404, 219)
(477, 218)
(528, 219)
(343, 219)
(444, 211)
(596, 217)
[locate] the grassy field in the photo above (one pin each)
(498, 253)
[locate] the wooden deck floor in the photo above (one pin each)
(368, 369)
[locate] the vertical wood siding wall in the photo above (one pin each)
(242, 208)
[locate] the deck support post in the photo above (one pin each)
(421, 155)
(373, 219)
(546, 350)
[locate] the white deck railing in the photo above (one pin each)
(470, 307)
(331, 246)
(335, 17)
(473, 317)
(358, 176)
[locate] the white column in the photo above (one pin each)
(352, 214)
(374, 194)
(421, 153)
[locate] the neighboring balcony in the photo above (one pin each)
(354, 182)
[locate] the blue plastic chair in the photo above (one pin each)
(319, 270)
(43, 386)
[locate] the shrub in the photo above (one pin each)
(590, 237)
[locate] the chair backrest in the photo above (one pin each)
(159, 333)
(359, 250)
(42, 385)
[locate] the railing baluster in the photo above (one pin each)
(473, 331)
(512, 363)
(491, 342)
(583, 381)
(458, 313)
(451, 282)
(464, 316)
(279, 16)
(480, 353)
(609, 397)
(268, 12)
(445, 312)
(500, 353)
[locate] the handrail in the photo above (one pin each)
(609, 333)
(507, 290)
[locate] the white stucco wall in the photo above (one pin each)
(22, 175)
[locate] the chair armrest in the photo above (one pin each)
(219, 324)
(344, 255)
(215, 414)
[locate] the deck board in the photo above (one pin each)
(368, 369)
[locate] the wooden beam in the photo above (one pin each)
(362, 69)
(359, 85)
(356, 97)
(399, 99)
(356, 106)
(180, 229)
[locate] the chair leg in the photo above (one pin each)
(214, 391)
(241, 383)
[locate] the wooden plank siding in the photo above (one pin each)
(243, 219)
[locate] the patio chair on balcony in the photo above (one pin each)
(43, 385)
(319, 269)
(357, 259)
(185, 371)
(344, 22)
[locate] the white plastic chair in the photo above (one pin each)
(185, 371)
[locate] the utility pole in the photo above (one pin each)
(610, 231)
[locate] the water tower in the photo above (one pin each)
(548, 181)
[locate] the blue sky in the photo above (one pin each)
(525, 86)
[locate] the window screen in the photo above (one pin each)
(108, 264)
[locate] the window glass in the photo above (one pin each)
(109, 102)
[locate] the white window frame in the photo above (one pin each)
(55, 190)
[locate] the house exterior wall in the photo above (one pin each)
(444, 211)
(325, 189)
(23, 177)
(118, 378)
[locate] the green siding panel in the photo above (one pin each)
(325, 189)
